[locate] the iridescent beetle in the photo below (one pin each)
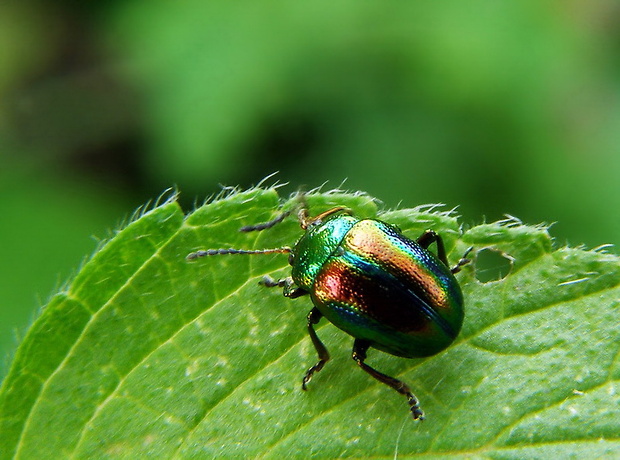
(368, 279)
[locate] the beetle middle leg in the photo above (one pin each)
(360, 347)
(313, 318)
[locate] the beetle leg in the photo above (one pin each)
(464, 261)
(293, 292)
(360, 347)
(313, 318)
(268, 281)
(286, 283)
(429, 237)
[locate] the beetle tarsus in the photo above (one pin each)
(268, 281)
(463, 261)
(310, 372)
(287, 283)
(414, 405)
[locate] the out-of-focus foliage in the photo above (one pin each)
(497, 107)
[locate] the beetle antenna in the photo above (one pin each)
(302, 206)
(218, 252)
(265, 225)
(305, 220)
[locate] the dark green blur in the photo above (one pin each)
(495, 107)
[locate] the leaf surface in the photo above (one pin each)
(148, 354)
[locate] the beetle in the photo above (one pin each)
(363, 275)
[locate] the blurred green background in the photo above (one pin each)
(497, 107)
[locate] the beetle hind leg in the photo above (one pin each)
(429, 237)
(313, 318)
(360, 347)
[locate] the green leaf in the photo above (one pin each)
(148, 354)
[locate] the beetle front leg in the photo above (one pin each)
(286, 283)
(360, 347)
(313, 318)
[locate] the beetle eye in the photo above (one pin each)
(291, 258)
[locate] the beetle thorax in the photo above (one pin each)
(313, 249)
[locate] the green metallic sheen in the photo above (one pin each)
(318, 244)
